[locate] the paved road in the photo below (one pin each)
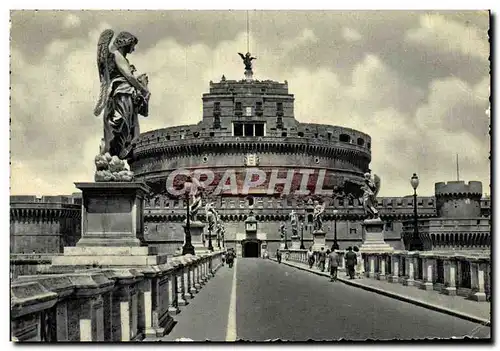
(280, 302)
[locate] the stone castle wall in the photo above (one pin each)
(456, 199)
(43, 225)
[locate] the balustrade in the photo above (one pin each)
(106, 304)
(465, 274)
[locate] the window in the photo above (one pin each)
(329, 135)
(279, 123)
(212, 134)
(284, 134)
(217, 106)
(258, 108)
(389, 226)
(279, 106)
(238, 129)
(369, 146)
(248, 111)
(300, 134)
(259, 129)
(352, 231)
(345, 138)
(238, 110)
(361, 142)
(248, 129)
(250, 201)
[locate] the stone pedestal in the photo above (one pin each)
(374, 237)
(319, 240)
(248, 75)
(295, 242)
(196, 229)
(112, 229)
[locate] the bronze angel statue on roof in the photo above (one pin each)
(370, 192)
(123, 96)
(247, 60)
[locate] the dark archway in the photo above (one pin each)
(250, 248)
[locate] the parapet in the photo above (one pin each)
(454, 188)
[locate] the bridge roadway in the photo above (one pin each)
(259, 300)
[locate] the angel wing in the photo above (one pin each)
(376, 181)
(102, 67)
(242, 56)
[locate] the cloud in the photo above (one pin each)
(350, 34)
(71, 21)
(439, 33)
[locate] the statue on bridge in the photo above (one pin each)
(319, 209)
(123, 97)
(370, 191)
(294, 223)
(212, 216)
(282, 230)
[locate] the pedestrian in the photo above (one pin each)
(310, 257)
(278, 255)
(334, 262)
(360, 266)
(322, 259)
(350, 262)
(223, 258)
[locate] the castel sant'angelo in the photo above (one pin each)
(255, 160)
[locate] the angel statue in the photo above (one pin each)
(370, 191)
(319, 209)
(294, 222)
(211, 215)
(282, 230)
(247, 60)
(195, 206)
(123, 96)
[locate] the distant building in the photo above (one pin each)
(462, 220)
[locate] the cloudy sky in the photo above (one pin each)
(417, 82)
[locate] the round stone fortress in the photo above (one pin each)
(249, 126)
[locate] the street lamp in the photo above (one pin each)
(286, 245)
(188, 247)
(415, 243)
(335, 242)
(302, 247)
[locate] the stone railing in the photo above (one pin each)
(105, 304)
(465, 274)
(27, 264)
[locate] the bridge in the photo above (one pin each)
(401, 295)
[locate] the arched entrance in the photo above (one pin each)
(250, 248)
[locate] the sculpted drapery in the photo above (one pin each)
(122, 97)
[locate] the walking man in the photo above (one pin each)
(310, 257)
(334, 262)
(350, 262)
(278, 255)
(322, 259)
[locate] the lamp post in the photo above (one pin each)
(188, 247)
(286, 245)
(210, 246)
(335, 242)
(415, 243)
(302, 247)
(218, 236)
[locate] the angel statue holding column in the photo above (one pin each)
(294, 222)
(370, 191)
(123, 96)
(319, 209)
